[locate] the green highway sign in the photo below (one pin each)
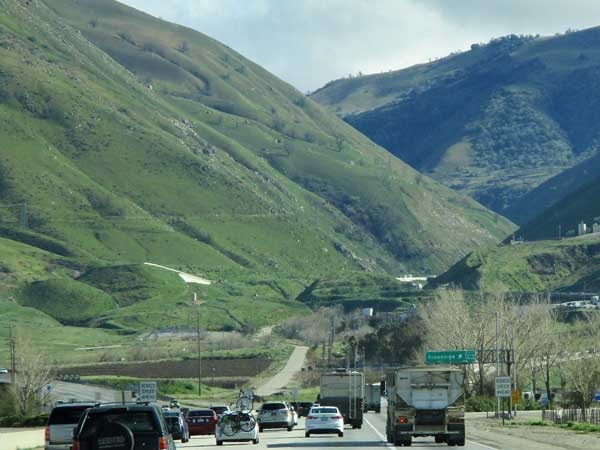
(451, 357)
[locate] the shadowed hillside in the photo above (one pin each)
(495, 122)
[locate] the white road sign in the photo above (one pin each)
(503, 387)
(148, 391)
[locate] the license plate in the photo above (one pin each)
(273, 413)
(323, 419)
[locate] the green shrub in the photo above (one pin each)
(477, 403)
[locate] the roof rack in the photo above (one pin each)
(99, 404)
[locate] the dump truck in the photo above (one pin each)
(373, 397)
(425, 402)
(344, 389)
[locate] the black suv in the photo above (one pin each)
(123, 427)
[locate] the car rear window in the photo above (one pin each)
(172, 419)
(306, 404)
(219, 409)
(201, 413)
(136, 421)
(66, 415)
(273, 406)
(324, 410)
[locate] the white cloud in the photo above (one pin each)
(310, 42)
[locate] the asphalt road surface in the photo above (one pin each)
(371, 436)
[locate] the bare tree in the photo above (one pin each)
(33, 375)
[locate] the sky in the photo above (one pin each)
(310, 42)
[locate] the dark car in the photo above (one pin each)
(62, 420)
(177, 425)
(304, 408)
(201, 421)
(136, 426)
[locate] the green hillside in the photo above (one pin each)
(361, 290)
(549, 200)
(126, 139)
(571, 265)
(161, 144)
(494, 122)
(564, 216)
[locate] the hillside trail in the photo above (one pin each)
(282, 378)
(187, 277)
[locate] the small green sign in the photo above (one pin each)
(451, 357)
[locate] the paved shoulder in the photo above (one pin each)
(293, 365)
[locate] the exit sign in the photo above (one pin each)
(451, 357)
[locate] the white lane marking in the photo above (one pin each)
(381, 436)
(481, 445)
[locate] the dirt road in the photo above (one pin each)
(282, 378)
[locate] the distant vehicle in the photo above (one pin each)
(174, 404)
(237, 426)
(275, 415)
(177, 425)
(426, 402)
(373, 397)
(304, 408)
(123, 425)
(59, 429)
(344, 390)
(201, 421)
(324, 420)
(3, 370)
(220, 409)
(294, 415)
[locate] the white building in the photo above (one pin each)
(581, 229)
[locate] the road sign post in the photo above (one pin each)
(451, 357)
(148, 391)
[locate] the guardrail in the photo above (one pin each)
(573, 415)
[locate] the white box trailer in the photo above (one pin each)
(345, 390)
(373, 397)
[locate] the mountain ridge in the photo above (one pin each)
(495, 122)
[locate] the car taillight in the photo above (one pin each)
(47, 434)
(311, 417)
(162, 443)
(337, 417)
(402, 420)
(75, 445)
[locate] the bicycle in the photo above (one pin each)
(244, 404)
(237, 421)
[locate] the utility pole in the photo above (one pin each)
(497, 363)
(13, 354)
(199, 358)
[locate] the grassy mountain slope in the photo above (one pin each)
(494, 122)
(360, 290)
(581, 205)
(162, 144)
(546, 198)
(571, 265)
(126, 139)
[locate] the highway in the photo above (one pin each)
(371, 436)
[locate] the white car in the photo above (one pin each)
(3, 370)
(275, 415)
(237, 427)
(324, 420)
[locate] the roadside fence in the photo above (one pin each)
(574, 415)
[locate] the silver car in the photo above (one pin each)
(61, 422)
(275, 415)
